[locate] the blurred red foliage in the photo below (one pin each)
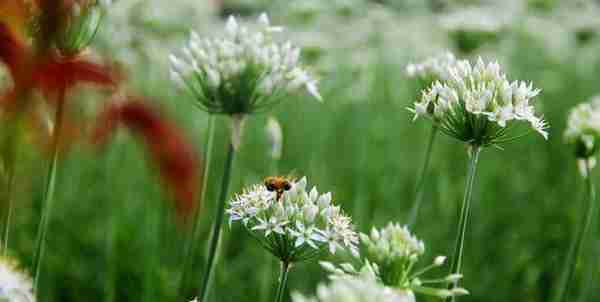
(174, 156)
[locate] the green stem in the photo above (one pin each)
(414, 212)
(9, 162)
(48, 200)
(457, 257)
(216, 231)
(283, 277)
(587, 217)
(192, 241)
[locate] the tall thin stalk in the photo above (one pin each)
(10, 160)
(587, 217)
(414, 211)
(216, 231)
(48, 201)
(191, 243)
(457, 257)
(283, 277)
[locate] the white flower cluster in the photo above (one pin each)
(433, 68)
(298, 226)
(476, 103)
(583, 132)
(361, 288)
(15, 286)
(583, 126)
(241, 72)
(392, 243)
(391, 255)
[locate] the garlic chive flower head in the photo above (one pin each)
(80, 25)
(583, 132)
(392, 254)
(360, 288)
(243, 72)
(479, 106)
(299, 226)
(432, 69)
(15, 285)
(392, 248)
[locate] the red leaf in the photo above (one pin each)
(56, 74)
(169, 150)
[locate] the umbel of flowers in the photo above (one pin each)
(583, 132)
(478, 105)
(298, 225)
(243, 72)
(15, 285)
(362, 287)
(393, 253)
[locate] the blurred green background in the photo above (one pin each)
(114, 236)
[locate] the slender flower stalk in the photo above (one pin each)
(421, 182)
(579, 241)
(216, 230)
(192, 241)
(583, 132)
(478, 106)
(283, 277)
(48, 201)
(9, 161)
(457, 258)
(436, 68)
(244, 72)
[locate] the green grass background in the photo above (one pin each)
(114, 237)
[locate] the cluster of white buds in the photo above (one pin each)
(391, 254)
(80, 26)
(583, 132)
(432, 69)
(243, 72)
(475, 104)
(15, 285)
(294, 225)
(360, 287)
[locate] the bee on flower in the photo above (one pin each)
(299, 226)
(479, 106)
(15, 285)
(392, 254)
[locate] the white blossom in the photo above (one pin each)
(391, 255)
(242, 72)
(298, 226)
(583, 128)
(477, 103)
(433, 68)
(361, 288)
(15, 285)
